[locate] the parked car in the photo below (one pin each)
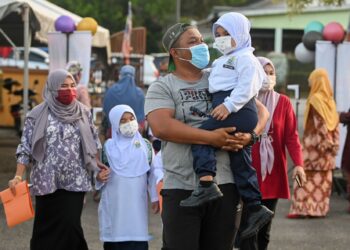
(150, 71)
(38, 59)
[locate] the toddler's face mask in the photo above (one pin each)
(224, 44)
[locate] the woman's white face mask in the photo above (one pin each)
(269, 83)
(223, 44)
(129, 129)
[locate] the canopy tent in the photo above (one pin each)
(27, 22)
(42, 17)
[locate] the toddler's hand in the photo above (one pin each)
(220, 113)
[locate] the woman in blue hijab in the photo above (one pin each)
(125, 91)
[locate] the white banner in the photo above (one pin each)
(80, 50)
(325, 58)
(342, 90)
(57, 42)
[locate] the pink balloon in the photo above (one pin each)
(65, 24)
(334, 32)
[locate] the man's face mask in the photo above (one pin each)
(129, 129)
(200, 55)
(223, 44)
(66, 96)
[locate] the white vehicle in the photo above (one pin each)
(38, 59)
(150, 71)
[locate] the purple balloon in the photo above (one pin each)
(65, 24)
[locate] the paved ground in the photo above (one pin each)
(309, 234)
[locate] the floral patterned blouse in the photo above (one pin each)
(63, 164)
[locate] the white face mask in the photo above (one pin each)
(223, 44)
(129, 129)
(269, 83)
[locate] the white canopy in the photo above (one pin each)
(19, 19)
(47, 13)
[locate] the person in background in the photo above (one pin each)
(60, 142)
(269, 154)
(320, 146)
(125, 91)
(345, 161)
(123, 208)
(83, 95)
(168, 102)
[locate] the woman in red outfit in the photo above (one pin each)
(269, 155)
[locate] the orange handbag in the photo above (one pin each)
(17, 208)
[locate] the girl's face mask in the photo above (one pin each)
(200, 55)
(66, 96)
(129, 129)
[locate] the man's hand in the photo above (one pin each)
(238, 141)
(229, 142)
(220, 113)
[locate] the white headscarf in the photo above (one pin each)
(270, 99)
(238, 26)
(127, 156)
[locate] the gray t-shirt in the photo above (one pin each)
(170, 92)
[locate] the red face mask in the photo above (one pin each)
(66, 96)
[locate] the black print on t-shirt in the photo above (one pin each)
(194, 97)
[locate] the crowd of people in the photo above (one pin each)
(223, 131)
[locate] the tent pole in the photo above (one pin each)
(26, 57)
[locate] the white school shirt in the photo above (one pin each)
(240, 72)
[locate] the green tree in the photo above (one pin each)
(158, 15)
(298, 5)
(155, 15)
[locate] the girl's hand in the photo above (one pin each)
(155, 207)
(103, 175)
(220, 113)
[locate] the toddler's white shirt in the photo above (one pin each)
(240, 72)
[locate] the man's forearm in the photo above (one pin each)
(178, 132)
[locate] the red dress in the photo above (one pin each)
(283, 131)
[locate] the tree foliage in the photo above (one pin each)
(157, 15)
(298, 5)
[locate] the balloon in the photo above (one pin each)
(334, 32)
(65, 24)
(309, 39)
(314, 26)
(304, 55)
(88, 23)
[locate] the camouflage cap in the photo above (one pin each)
(173, 33)
(171, 36)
